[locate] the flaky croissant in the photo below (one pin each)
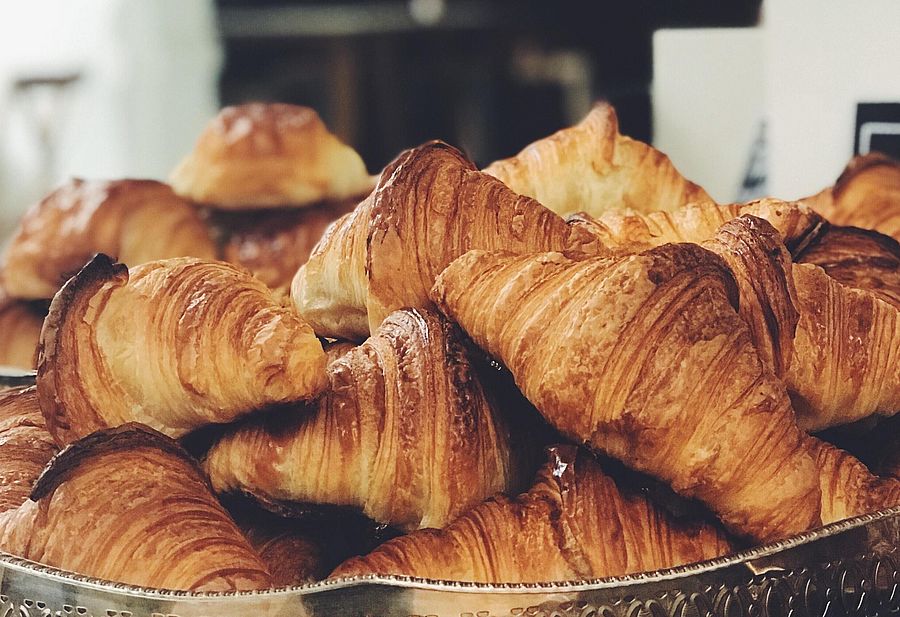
(574, 523)
(406, 432)
(867, 195)
(859, 258)
(135, 221)
(175, 344)
(25, 445)
(590, 167)
(129, 505)
(645, 358)
(430, 206)
(20, 329)
(262, 155)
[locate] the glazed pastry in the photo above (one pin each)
(574, 523)
(430, 206)
(175, 344)
(134, 221)
(846, 364)
(797, 224)
(858, 258)
(129, 505)
(272, 244)
(848, 488)
(406, 433)
(591, 168)
(644, 358)
(25, 445)
(266, 155)
(292, 557)
(20, 329)
(867, 195)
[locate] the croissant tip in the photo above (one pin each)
(105, 441)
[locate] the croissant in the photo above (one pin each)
(430, 206)
(574, 523)
(867, 194)
(61, 233)
(797, 224)
(406, 419)
(20, 329)
(25, 445)
(129, 505)
(273, 244)
(264, 155)
(590, 167)
(174, 344)
(644, 358)
(858, 258)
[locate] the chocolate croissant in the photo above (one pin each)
(644, 358)
(25, 445)
(175, 344)
(592, 168)
(129, 505)
(867, 195)
(574, 523)
(263, 155)
(20, 329)
(407, 421)
(430, 206)
(135, 221)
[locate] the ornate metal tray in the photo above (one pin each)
(848, 568)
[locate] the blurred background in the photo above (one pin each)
(747, 98)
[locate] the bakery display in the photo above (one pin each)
(175, 344)
(374, 367)
(133, 221)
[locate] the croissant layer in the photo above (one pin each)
(25, 445)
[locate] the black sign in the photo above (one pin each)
(878, 128)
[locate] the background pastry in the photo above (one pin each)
(20, 329)
(25, 445)
(134, 221)
(175, 344)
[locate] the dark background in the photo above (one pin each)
(488, 76)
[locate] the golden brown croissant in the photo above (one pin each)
(20, 329)
(175, 344)
(645, 358)
(859, 258)
(272, 244)
(135, 221)
(263, 155)
(574, 523)
(698, 222)
(406, 433)
(25, 445)
(867, 195)
(590, 167)
(129, 505)
(430, 206)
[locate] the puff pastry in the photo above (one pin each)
(645, 358)
(590, 167)
(135, 221)
(574, 523)
(263, 155)
(129, 505)
(20, 329)
(175, 344)
(430, 206)
(406, 420)
(25, 445)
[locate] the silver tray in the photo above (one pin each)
(848, 568)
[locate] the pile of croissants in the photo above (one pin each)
(571, 364)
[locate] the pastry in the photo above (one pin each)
(20, 329)
(25, 445)
(129, 505)
(592, 168)
(175, 344)
(134, 221)
(263, 155)
(430, 206)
